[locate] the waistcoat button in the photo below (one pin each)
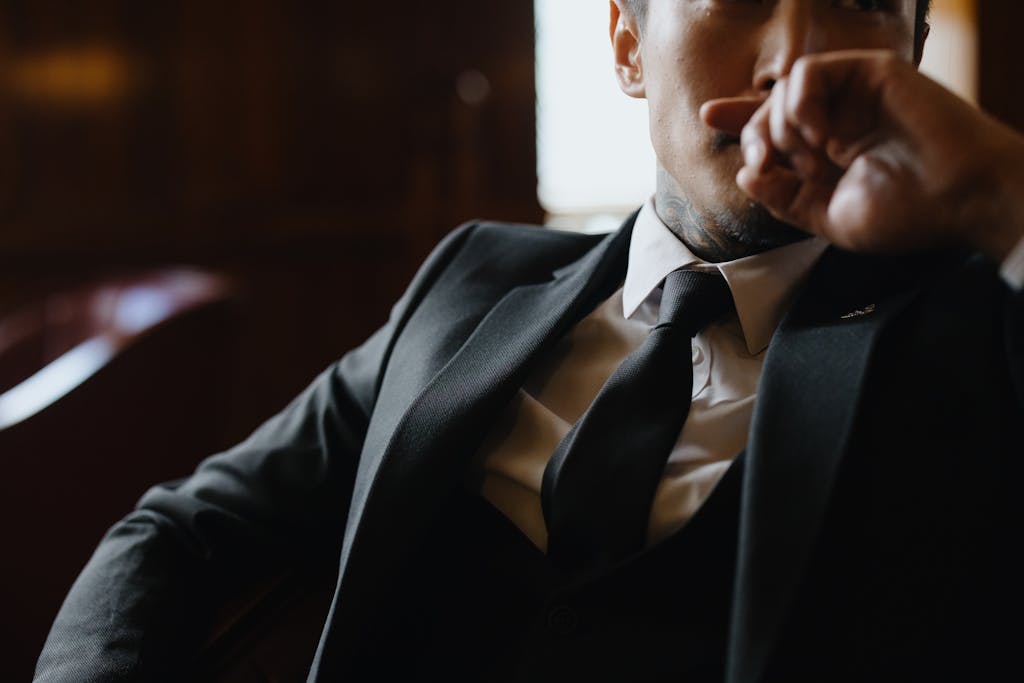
(563, 620)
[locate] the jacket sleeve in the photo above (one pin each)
(1015, 340)
(141, 602)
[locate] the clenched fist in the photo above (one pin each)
(861, 148)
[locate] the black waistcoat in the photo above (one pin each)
(479, 602)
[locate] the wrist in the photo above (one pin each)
(997, 224)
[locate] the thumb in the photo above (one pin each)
(730, 114)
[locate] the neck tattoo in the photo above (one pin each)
(690, 227)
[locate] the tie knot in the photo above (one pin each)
(692, 299)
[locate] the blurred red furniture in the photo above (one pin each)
(104, 391)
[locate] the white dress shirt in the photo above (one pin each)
(1012, 268)
(727, 359)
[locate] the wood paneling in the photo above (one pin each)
(1001, 82)
(316, 150)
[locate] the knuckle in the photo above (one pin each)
(757, 123)
(801, 70)
(888, 58)
(802, 90)
(890, 63)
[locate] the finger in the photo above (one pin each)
(784, 138)
(775, 189)
(755, 141)
(807, 101)
(730, 114)
(834, 96)
(787, 139)
(789, 197)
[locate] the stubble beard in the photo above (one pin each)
(721, 234)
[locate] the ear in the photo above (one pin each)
(919, 47)
(625, 36)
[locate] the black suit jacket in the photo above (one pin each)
(879, 517)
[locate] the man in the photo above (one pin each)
(857, 521)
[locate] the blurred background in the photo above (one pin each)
(313, 150)
(202, 204)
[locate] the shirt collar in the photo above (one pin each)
(762, 285)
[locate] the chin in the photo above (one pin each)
(753, 230)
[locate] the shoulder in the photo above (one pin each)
(498, 237)
(491, 248)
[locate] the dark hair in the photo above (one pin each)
(639, 9)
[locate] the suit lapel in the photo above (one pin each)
(405, 479)
(808, 399)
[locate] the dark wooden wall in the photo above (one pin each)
(314, 149)
(1001, 81)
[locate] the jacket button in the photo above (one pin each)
(563, 620)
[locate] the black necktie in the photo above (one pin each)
(599, 484)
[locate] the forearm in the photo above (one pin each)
(141, 605)
(994, 202)
(136, 609)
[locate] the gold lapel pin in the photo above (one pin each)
(867, 310)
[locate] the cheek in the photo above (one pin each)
(678, 82)
(691, 61)
(675, 132)
(689, 67)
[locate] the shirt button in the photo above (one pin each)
(698, 355)
(563, 620)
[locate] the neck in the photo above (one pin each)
(719, 237)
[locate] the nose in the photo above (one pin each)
(793, 30)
